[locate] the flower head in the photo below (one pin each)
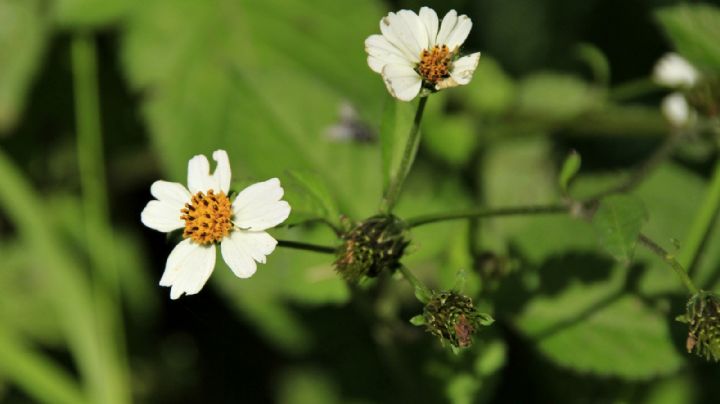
(371, 246)
(672, 70)
(416, 51)
(209, 216)
(703, 319)
(452, 317)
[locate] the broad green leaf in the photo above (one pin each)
(396, 123)
(619, 336)
(695, 32)
(309, 197)
(23, 37)
(555, 98)
(618, 221)
(569, 169)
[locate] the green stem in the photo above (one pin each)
(307, 247)
(487, 212)
(96, 216)
(416, 283)
(670, 260)
(702, 222)
(392, 193)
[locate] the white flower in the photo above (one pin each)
(672, 70)
(677, 110)
(413, 52)
(208, 218)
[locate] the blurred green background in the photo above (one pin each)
(283, 86)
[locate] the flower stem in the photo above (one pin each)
(392, 193)
(487, 212)
(670, 260)
(702, 222)
(307, 247)
(415, 282)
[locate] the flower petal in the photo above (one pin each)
(162, 216)
(446, 27)
(403, 82)
(676, 109)
(672, 70)
(416, 27)
(199, 177)
(395, 30)
(258, 207)
(170, 192)
(464, 68)
(381, 52)
(188, 268)
(241, 249)
(429, 17)
(460, 33)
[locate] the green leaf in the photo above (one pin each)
(596, 60)
(452, 138)
(91, 13)
(570, 168)
(555, 98)
(695, 32)
(395, 127)
(618, 221)
(618, 336)
(418, 320)
(491, 91)
(23, 38)
(309, 197)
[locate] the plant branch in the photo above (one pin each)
(306, 246)
(486, 212)
(415, 282)
(670, 260)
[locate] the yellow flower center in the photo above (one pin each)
(207, 217)
(435, 64)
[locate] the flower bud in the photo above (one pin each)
(703, 318)
(370, 247)
(452, 318)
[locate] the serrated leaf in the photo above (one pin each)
(570, 168)
(695, 32)
(23, 37)
(618, 221)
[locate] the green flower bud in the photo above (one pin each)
(453, 318)
(703, 318)
(370, 247)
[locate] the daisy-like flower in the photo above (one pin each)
(672, 70)
(208, 217)
(416, 51)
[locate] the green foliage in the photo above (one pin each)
(569, 169)
(695, 31)
(309, 197)
(555, 98)
(618, 221)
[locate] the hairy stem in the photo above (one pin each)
(307, 247)
(415, 282)
(670, 260)
(487, 212)
(392, 193)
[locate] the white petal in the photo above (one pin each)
(673, 70)
(446, 27)
(242, 249)
(199, 177)
(676, 109)
(403, 82)
(258, 207)
(430, 19)
(188, 268)
(460, 33)
(381, 52)
(416, 27)
(395, 30)
(463, 68)
(162, 216)
(222, 173)
(170, 192)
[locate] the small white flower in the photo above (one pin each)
(413, 52)
(677, 110)
(208, 218)
(672, 70)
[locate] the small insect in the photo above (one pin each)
(350, 127)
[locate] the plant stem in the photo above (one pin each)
(670, 260)
(702, 222)
(307, 247)
(96, 216)
(633, 89)
(415, 282)
(393, 191)
(487, 212)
